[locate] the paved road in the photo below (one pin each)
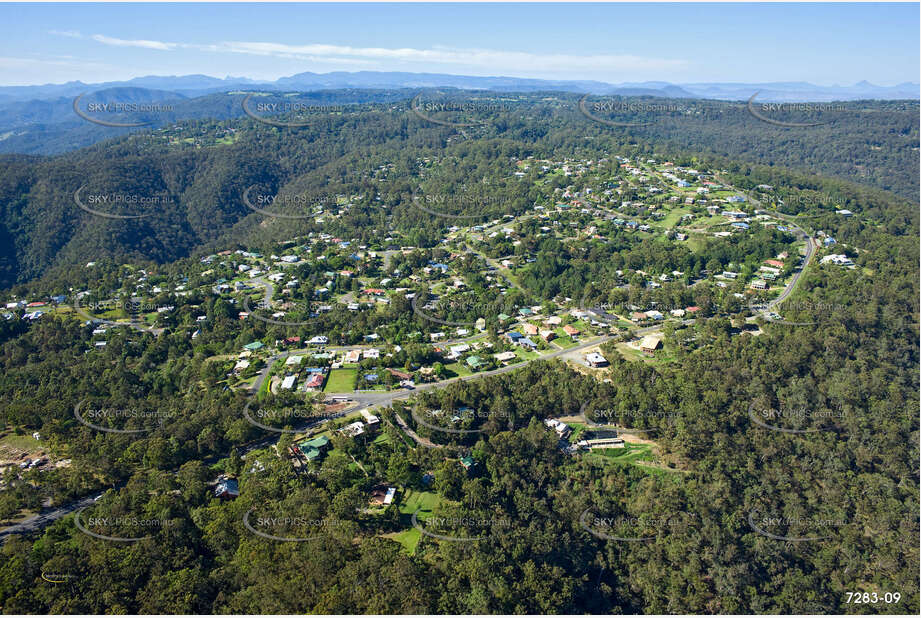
(811, 245)
(39, 521)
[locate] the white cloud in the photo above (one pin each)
(107, 40)
(490, 60)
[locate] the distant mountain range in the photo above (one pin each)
(198, 85)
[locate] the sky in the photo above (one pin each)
(824, 44)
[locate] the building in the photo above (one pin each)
(313, 448)
(571, 331)
(838, 259)
(353, 430)
(227, 488)
(562, 429)
(504, 357)
(314, 382)
(371, 420)
(288, 383)
(525, 342)
(596, 360)
(601, 443)
(759, 284)
(352, 356)
(382, 495)
(650, 344)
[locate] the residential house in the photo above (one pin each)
(596, 360)
(650, 344)
(227, 488)
(504, 357)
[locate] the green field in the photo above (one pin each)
(423, 501)
(341, 381)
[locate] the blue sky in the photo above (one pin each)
(824, 44)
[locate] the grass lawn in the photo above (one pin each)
(341, 381)
(458, 369)
(23, 443)
(563, 340)
(382, 439)
(639, 455)
(660, 356)
(408, 539)
(414, 499)
(631, 453)
(527, 354)
(672, 218)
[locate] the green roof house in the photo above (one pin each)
(475, 362)
(313, 448)
(255, 345)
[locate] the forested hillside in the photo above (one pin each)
(201, 169)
